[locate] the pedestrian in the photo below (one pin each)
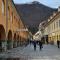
(40, 45)
(30, 42)
(58, 43)
(34, 43)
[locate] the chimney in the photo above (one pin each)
(59, 9)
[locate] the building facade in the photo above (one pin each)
(11, 35)
(52, 28)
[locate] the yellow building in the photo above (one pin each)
(11, 24)
(52, 28)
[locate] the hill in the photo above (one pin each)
(32, 14)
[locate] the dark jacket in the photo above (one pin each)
(40, 43)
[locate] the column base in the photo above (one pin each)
(3, 45)
(9, 45)
(14, 44)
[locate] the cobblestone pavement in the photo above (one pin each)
(49, 52)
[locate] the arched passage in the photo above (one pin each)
(10, 35)
(15, 37)
(9, 41)
(15, 43)
(18, 41)
(2, 38)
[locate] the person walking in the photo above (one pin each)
(40, 45)
(34, 43)
(58, 43)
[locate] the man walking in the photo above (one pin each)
(40, 45)
(58, 43)
(34, 43)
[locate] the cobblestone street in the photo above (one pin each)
(29, 30)
(49, 52)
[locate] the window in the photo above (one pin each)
(11, 17)
(51, 27)
(56, 24)
(57, 37)
(59, 23)
(14, 17)
(8, 13)
(3, 6)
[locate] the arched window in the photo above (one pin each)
(3, 7)
(8, 13)
(59, 23)
(12, 17)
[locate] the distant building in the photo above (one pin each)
(37, 36)
(51, 29)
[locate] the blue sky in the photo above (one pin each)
(51, 3)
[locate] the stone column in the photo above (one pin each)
(15, 44)
(4, 46)
(18, 43)
(11, 44)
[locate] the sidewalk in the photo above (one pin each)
(49, 52)
(14, 50)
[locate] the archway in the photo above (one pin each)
(15, 43)
(2, 38)
(9, 41)
(18, 41)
